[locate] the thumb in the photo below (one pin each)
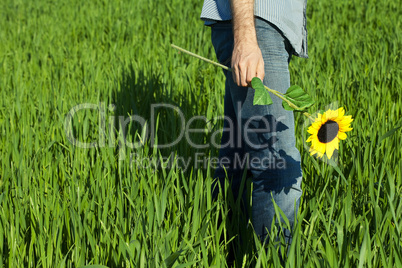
(260, 70)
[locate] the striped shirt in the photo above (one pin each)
(288, 15)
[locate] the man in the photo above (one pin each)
(257, 39)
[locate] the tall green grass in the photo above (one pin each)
(64, 206)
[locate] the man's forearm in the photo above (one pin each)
(243, 20)
(247, 61)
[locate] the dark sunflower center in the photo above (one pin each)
(328, 131)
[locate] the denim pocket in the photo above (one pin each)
(222, 40)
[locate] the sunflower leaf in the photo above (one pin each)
(298, 97)
(261, 95)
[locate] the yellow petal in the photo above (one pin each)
(345, 129)
(345, 120)
(336, 143)
(312, 131)
(320, 147)
(324, 118)
(341, 112)
(314, 152)
(331, 147)
(342, 136)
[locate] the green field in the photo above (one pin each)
(62, 205)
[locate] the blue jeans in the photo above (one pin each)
(260, 138)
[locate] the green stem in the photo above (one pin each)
(201, 58)
(276, 93)
(291, 104)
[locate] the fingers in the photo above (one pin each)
(236, 73)
(256, 70)
(251, 72)
(246, 66)
(243, 74)
(260, 70)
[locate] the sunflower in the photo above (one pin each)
(327, 130)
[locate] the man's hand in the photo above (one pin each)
(247, 61)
